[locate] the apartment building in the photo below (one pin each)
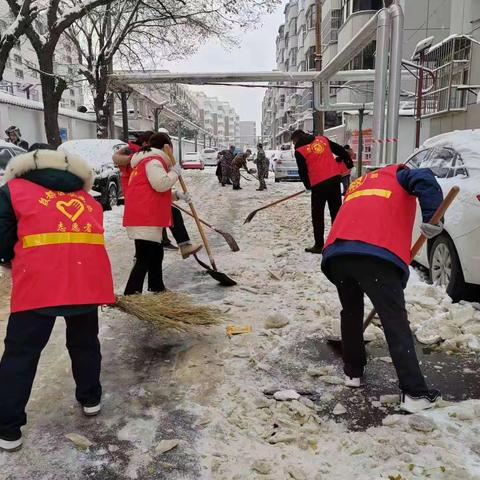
(219, 119)
(286, 108)
(248, 134)
(21, 76)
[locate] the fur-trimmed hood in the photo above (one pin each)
(42, 159)
(138, 157)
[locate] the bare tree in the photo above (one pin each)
(27, 12)
(144, 32)
(59, 17)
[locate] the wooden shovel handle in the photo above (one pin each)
(284, 199)
(169, 152)
(437, 216)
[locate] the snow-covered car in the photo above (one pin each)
(453, 258)
(7, 152)
(286, 167)
(192, 161)
(98, 153)
(209, 157)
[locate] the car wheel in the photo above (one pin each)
(111, 196)
(445, 268)
(277, 180)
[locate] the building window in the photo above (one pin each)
(311, 17)
(19, 73)
(68, 47)
(72, 103)
(310, 58)
(358, 5)
(72, 92)
(8, 63)
(293, 56)
(69, 59)
(292, 29)
(286, 41)
(17, 59)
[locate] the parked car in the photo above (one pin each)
(286, 166)
(453, 258)
(192, 161)
(107, 188)
(209, 157)
(7, 152)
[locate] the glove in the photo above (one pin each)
(186, 197)
(431, 231)
(177, 169)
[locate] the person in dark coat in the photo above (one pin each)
(51, 234)
(226, 159)
(321, 175)
(368, 252)
(14, 136)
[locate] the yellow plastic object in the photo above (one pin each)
(232, 330)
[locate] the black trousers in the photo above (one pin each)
(27, 334)
(178, 228)
(325, 192)
(381, 280)
(148, 259)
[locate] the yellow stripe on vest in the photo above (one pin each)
(369, 192)
(56, 238)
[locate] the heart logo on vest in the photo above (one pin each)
(71, 209)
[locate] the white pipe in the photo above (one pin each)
(394, 83)
(380, 86)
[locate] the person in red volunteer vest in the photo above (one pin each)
(51, 232)
(122, 159)
(148, 210)
(319, 171)
(368, 252)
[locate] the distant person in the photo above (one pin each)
(262, 167)
(226, 159)
(320, 172)
(14, 136)
(238, 162)
(345, 171)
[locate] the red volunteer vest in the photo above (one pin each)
(126, 171)
(60, 256)
(377, 210)
(321, 163)
(145, 207)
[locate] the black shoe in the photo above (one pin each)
(315, 249)
(223, 184)
(260, 189)
(229, 183)
(414, 403)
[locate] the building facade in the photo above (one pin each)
(21, 77)
(285, 109)
(248, 134)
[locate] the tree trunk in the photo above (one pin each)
(101, 105)
(52, 90)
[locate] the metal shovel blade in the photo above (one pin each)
(220, 277)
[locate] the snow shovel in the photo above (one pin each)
(245, 178)
(227, 236)
(220, 277)
(437, 216)
(252, 214)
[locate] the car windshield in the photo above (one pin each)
(444, 162)
(5, 156)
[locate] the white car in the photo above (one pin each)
(209, 157)
(98, 153)
(453, 258)
(7, 152)
(286, 167)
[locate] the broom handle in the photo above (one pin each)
(284, 199)
(437, 216)
(169, 152)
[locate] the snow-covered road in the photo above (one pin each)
(213, 394)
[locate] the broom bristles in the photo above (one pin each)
(169, 310)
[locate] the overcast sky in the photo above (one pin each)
(256, 52)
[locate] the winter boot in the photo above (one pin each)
(92, 411)
(10, 445)
(188, 249)
(317, 249)
(417, 403)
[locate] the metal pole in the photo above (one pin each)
(111, 97)
(380, 85)
(396, 13)
(418, 113)
(196, 141)
(204, 140)
(318, 117)
(360, 142)
(123, 96)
